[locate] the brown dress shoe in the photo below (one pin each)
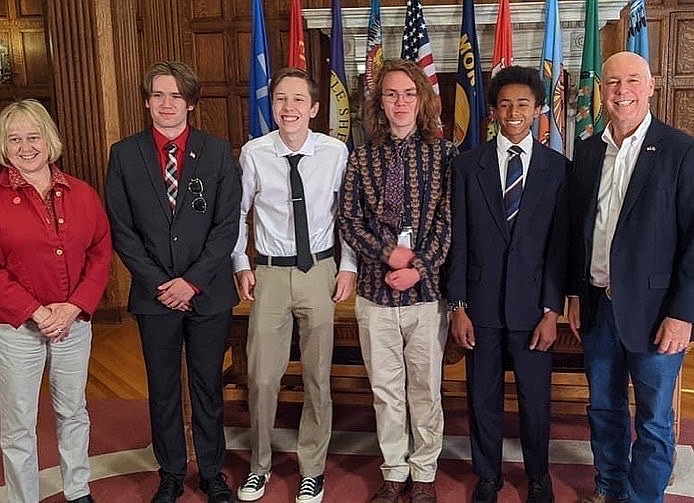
(423, 492)
(598, 497)
(389, 492)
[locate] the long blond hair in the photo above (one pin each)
(377, 125)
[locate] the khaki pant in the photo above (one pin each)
(403, 353)
(282, 293)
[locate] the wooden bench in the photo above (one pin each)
(350, 382)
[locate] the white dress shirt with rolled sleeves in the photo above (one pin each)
(267, 191)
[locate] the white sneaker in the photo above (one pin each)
(310, 490)
(253, 488)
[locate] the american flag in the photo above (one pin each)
(415, 42)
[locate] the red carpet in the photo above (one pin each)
(118, 425)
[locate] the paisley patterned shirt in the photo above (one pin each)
(368, 228)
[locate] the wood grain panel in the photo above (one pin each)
(240, 122)
(161, 31)
(683, 109)
(683, 42)
(77, 88)
(214, 116)
(30, 8)
(36, 67)
(127, 67)
(209, 53)
(657, 105)
(243, 43)
(202, 9)
(656, 29)
(23, 34)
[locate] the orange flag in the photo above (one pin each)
(503, 56)
(297, 52)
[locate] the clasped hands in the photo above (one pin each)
(54, 320)
(401, 277)
(176, 294)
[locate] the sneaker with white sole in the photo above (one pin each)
(253, 488)
(310, 490)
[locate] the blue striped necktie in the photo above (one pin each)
(514, 184)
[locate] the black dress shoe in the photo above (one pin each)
(486, 489)
(540, 491)
(217, 489)
(82, 499)
(170, 488)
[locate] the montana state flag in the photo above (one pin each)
(470, 108)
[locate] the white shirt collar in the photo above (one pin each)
(503, 143)
(637, 135)
(307, 148)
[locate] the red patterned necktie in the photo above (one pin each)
(171, 174)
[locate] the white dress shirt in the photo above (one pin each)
(502, 146)
(616, 173)
(266, 189)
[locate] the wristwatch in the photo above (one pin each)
(457, 304)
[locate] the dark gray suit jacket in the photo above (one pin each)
(652, 253)
(508, 279)
(157, 246)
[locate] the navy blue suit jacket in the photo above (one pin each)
(652, 253)
(508, 279)
(157, 246)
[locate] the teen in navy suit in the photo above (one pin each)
(506, 279)
(632, 276)
(176, 239)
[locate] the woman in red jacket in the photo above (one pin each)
(55, 251)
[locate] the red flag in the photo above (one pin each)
(503, 56)
(503, 40)
(297, 53)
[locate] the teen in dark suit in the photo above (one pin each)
(632, 273)
(173, 197)
(506, 279)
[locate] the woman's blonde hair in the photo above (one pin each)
(35, 113)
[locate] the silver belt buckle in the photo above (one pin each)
(608, 292)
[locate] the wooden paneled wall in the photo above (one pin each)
(99, 50)
(23, 35)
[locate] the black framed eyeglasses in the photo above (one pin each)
(196, 187)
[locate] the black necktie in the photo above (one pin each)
(514, 184)
(304, 260)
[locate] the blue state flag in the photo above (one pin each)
(470, 108)
(340, 120)
(260, 109)
(637, 40)
(550, 126)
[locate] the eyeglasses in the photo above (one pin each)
(392, 96)
(196, 188)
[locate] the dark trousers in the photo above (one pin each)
(485, 382)
(163, 337)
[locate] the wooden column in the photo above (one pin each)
(78, 32)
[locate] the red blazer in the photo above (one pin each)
(41, 262)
